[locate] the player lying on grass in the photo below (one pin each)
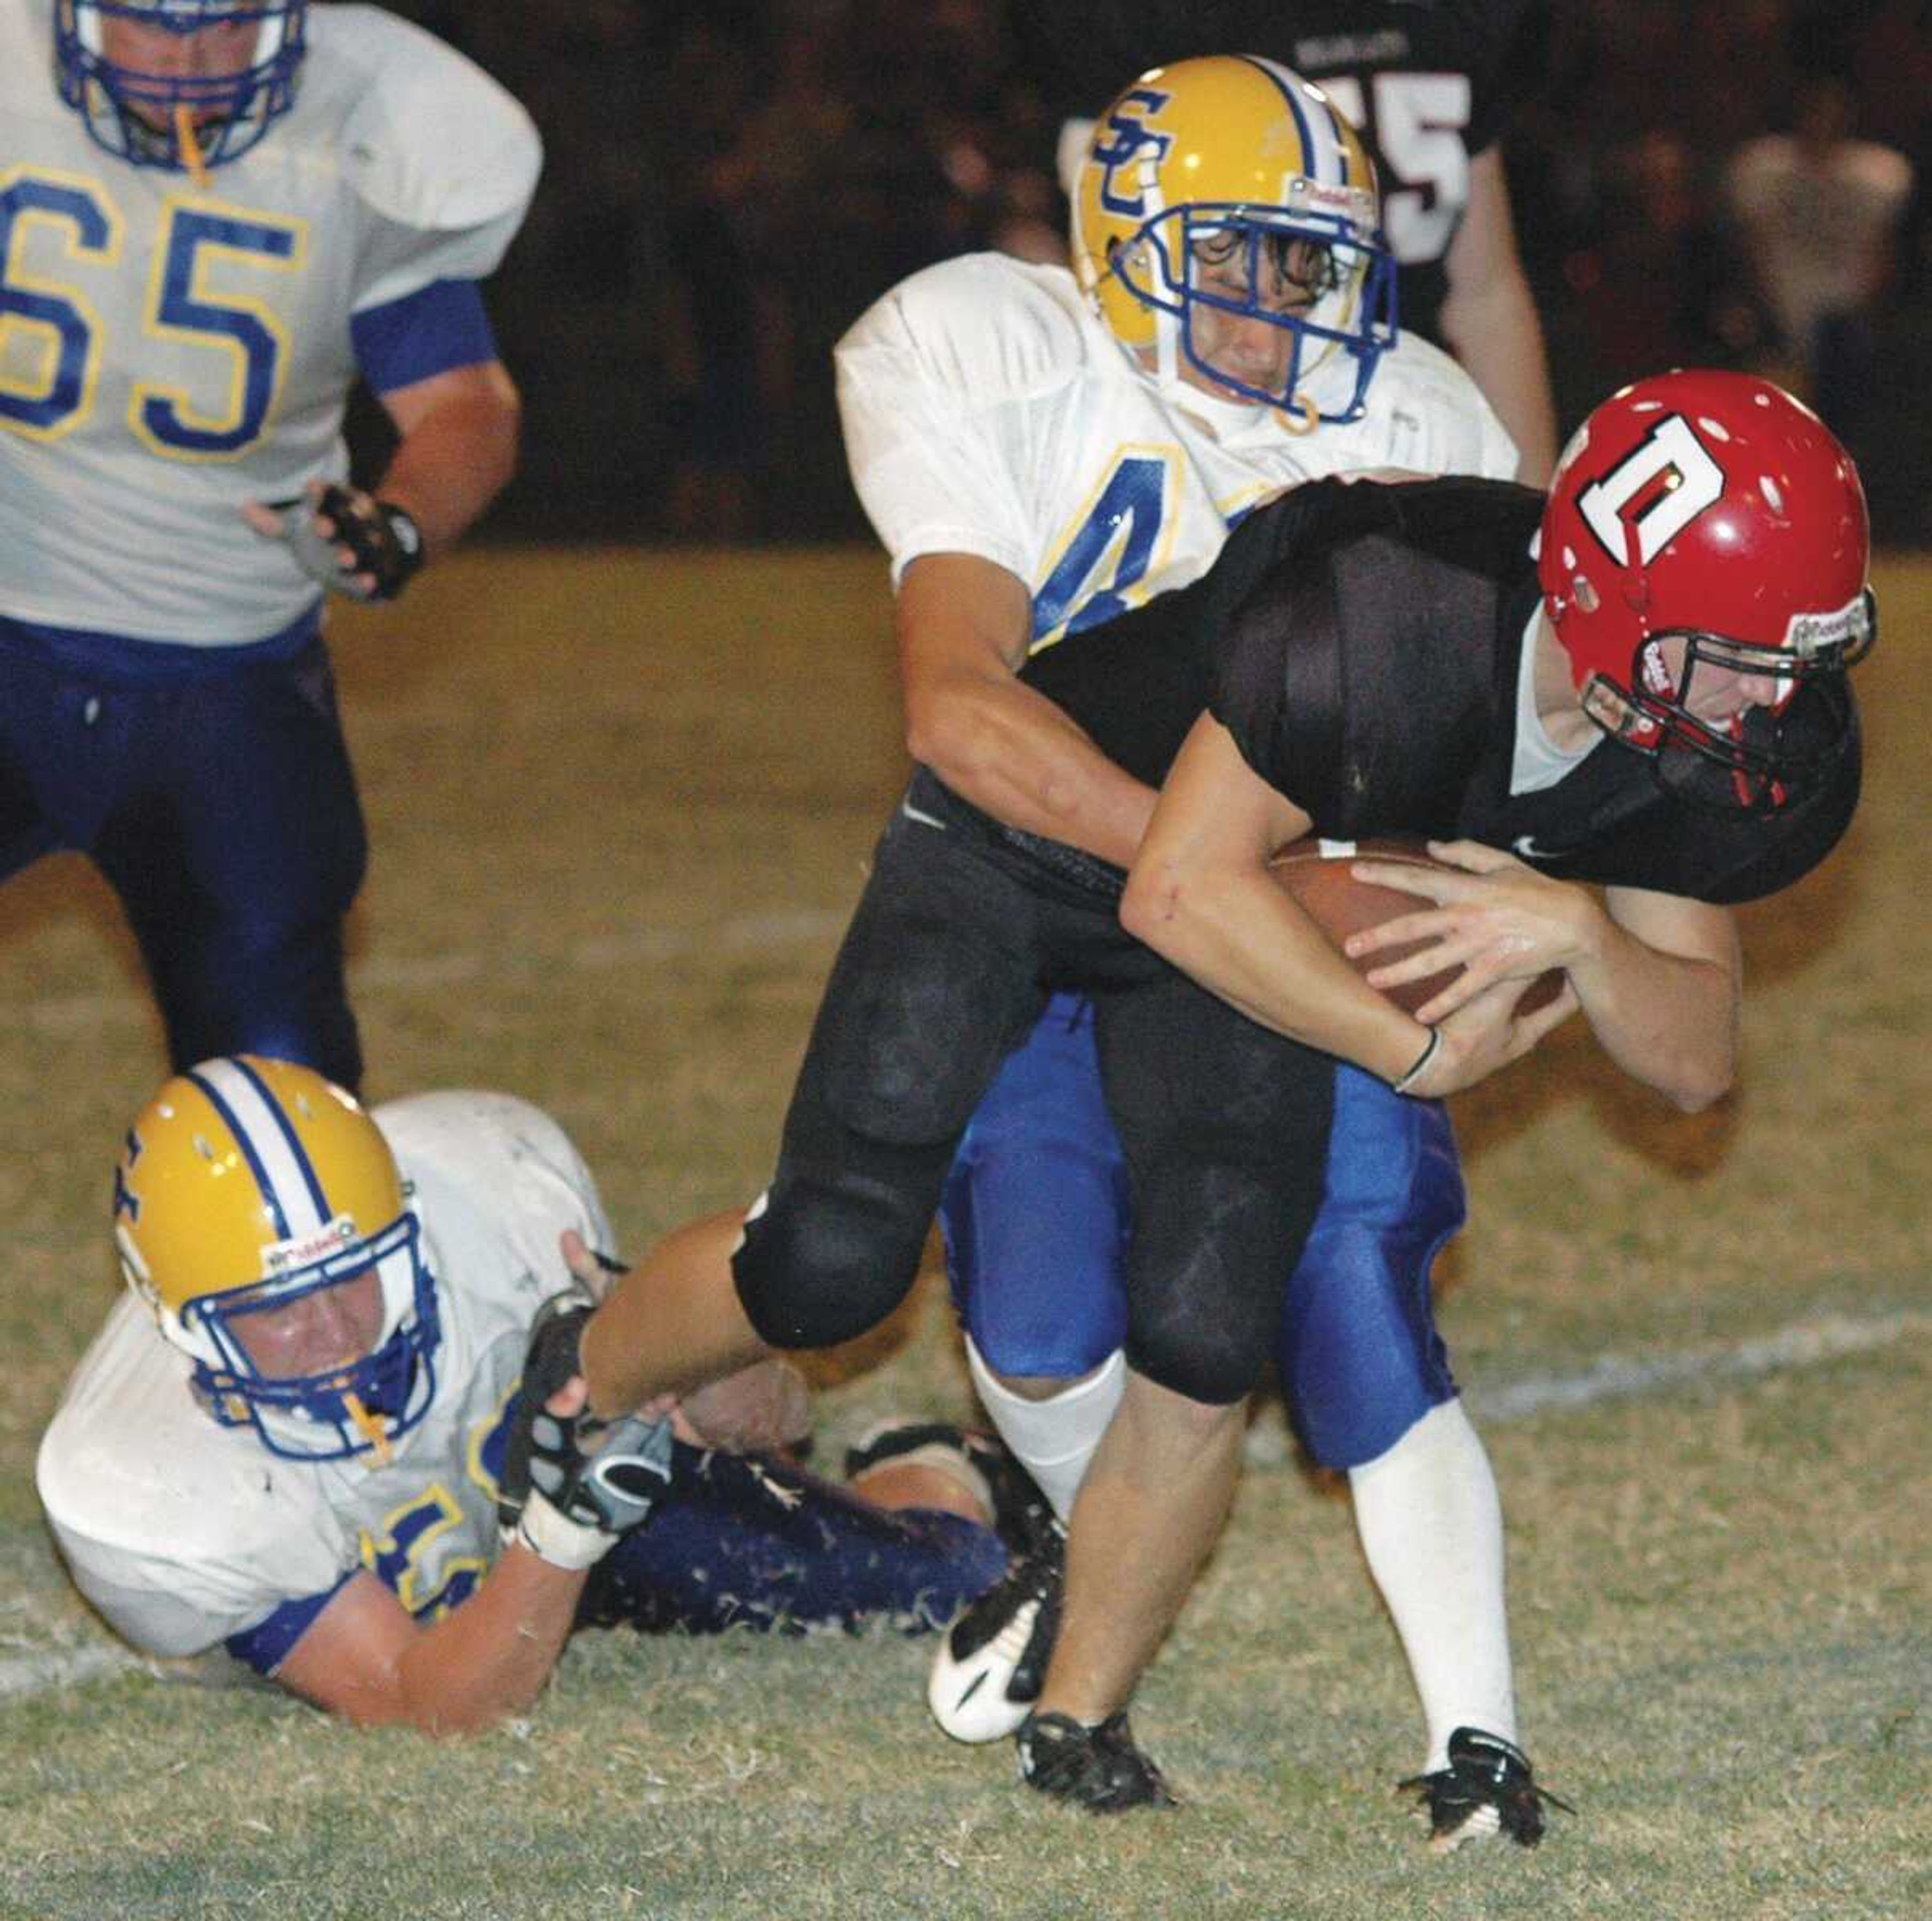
(289, 1441)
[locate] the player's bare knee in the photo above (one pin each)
(1043, 1387)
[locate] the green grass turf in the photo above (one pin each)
(620, 802)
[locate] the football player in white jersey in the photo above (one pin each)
(216, 217)
(288, 1442)
(1040, 453)
(1035, 1208)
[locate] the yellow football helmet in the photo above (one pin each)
(1225, 197)
(244, 1185)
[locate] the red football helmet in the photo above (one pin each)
(1704, 530)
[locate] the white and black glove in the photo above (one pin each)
(381, 543)
(574, 1486)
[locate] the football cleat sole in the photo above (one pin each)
(985, 1693)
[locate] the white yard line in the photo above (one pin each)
(1616, 1377)
(1803, 1343)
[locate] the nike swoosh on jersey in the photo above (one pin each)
(920, 815)
(1524, 847)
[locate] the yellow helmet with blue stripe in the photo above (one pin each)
(1225, 227)
(246, 1188)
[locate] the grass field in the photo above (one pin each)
(620, 804)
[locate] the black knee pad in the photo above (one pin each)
(827, 1256)
(1218, 1365)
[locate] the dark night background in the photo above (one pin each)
(728, 183)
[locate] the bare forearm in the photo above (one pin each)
(1668, 1021)
(1017, 756)
(1495, 332)
(489, 1658)
(1236, 935)
(455, 457)
(1490, 321)
(366, 1660)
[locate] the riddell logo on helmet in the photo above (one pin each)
(1809, 632)
(1325, 197)
(1656, 675)
(283, 1256)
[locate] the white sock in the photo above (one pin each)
(1054, 1440)
(1432, 1528)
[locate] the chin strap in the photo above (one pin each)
(371, 1429)
(1301, 415)
(189, 144)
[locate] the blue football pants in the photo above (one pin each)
(214, 791)
(1037, 1213)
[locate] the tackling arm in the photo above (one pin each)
(962, 623)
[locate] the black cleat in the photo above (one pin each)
(1099, 1769)
(1488, 1788)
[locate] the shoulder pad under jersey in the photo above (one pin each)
(433, 142)
(993, 327)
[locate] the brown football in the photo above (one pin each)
(1316, 875)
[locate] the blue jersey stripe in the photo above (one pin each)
(265, 1645)
(438, 328)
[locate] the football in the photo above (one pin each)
(1314, 874)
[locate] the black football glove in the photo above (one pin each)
(573, 1486)
(381, 538)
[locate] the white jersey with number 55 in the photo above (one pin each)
(169, 351)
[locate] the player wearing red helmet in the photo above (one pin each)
(1640, 683)
(1383, 660)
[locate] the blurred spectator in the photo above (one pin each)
(1659, 283)
(731, 182)
(1818, 210)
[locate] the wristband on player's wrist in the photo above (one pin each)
(1420, 1065)
(552, 1536)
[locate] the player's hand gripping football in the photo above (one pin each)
(350, 541)
(1496, 920)
(573, 1486)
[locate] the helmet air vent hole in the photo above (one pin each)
(1584, 595)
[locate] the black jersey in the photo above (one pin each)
(1422, 79)
(1362, 645)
